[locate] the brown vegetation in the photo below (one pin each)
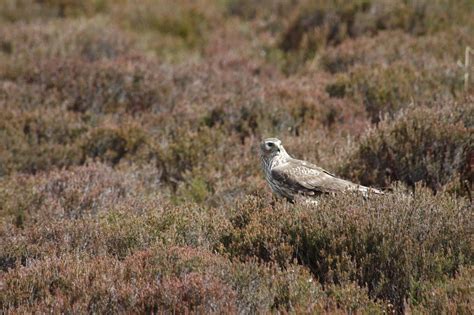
(129, 172)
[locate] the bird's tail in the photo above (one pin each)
(366, 191)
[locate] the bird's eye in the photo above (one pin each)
(270, 144)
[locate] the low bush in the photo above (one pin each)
(315, 25)
(42, 140)
(447, 295)
(102, 87)
(172, 279)
(170, 29)
(432, 145)
(388, 245)
(130, 179)
(385, 91)
(28, 10)
(37, 140)
(406, 70)
(347, 245)
(25, 45)
(399, 49)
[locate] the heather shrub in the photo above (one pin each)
(345, 244)
(432, 145)
(112, 144)
(23, 99)
(250, 236)
(310, 108)
(388, 244)
(315, 25)
(95, 209)
(321, 23)
(27, 10)
(169, 28)
(289, 107)
(384, 91)
(423, 53)
(106, 284)
(265, 11)
(27, 44)
(387, 78)
(78, 193)
(130, 179)
(44, 139)
(37, 140)
(190, 160)
(450, 296)
(45, 207)
(115, 234)
(169, 279)
(102, 87)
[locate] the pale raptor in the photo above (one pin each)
(292, 178)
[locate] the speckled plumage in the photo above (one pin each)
(292, 178)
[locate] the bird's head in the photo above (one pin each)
(271, 147)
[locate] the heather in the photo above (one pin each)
(129, 173)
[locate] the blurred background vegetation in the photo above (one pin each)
(129, 170)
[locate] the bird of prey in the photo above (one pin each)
(291, 178)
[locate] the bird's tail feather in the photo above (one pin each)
(368, 190)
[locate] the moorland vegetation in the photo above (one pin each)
(129, 171)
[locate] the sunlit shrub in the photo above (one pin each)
(387, 244)
(27, 10)
(104, 87)
(25, 45)
(315, 25)
(432, 145)
(130, 179)
(451, 296)
(37, 140)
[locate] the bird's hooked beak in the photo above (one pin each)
(279, 147)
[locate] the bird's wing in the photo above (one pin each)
(306, 178)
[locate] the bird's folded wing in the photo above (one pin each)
(306, 177)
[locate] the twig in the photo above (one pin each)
(466, 66)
